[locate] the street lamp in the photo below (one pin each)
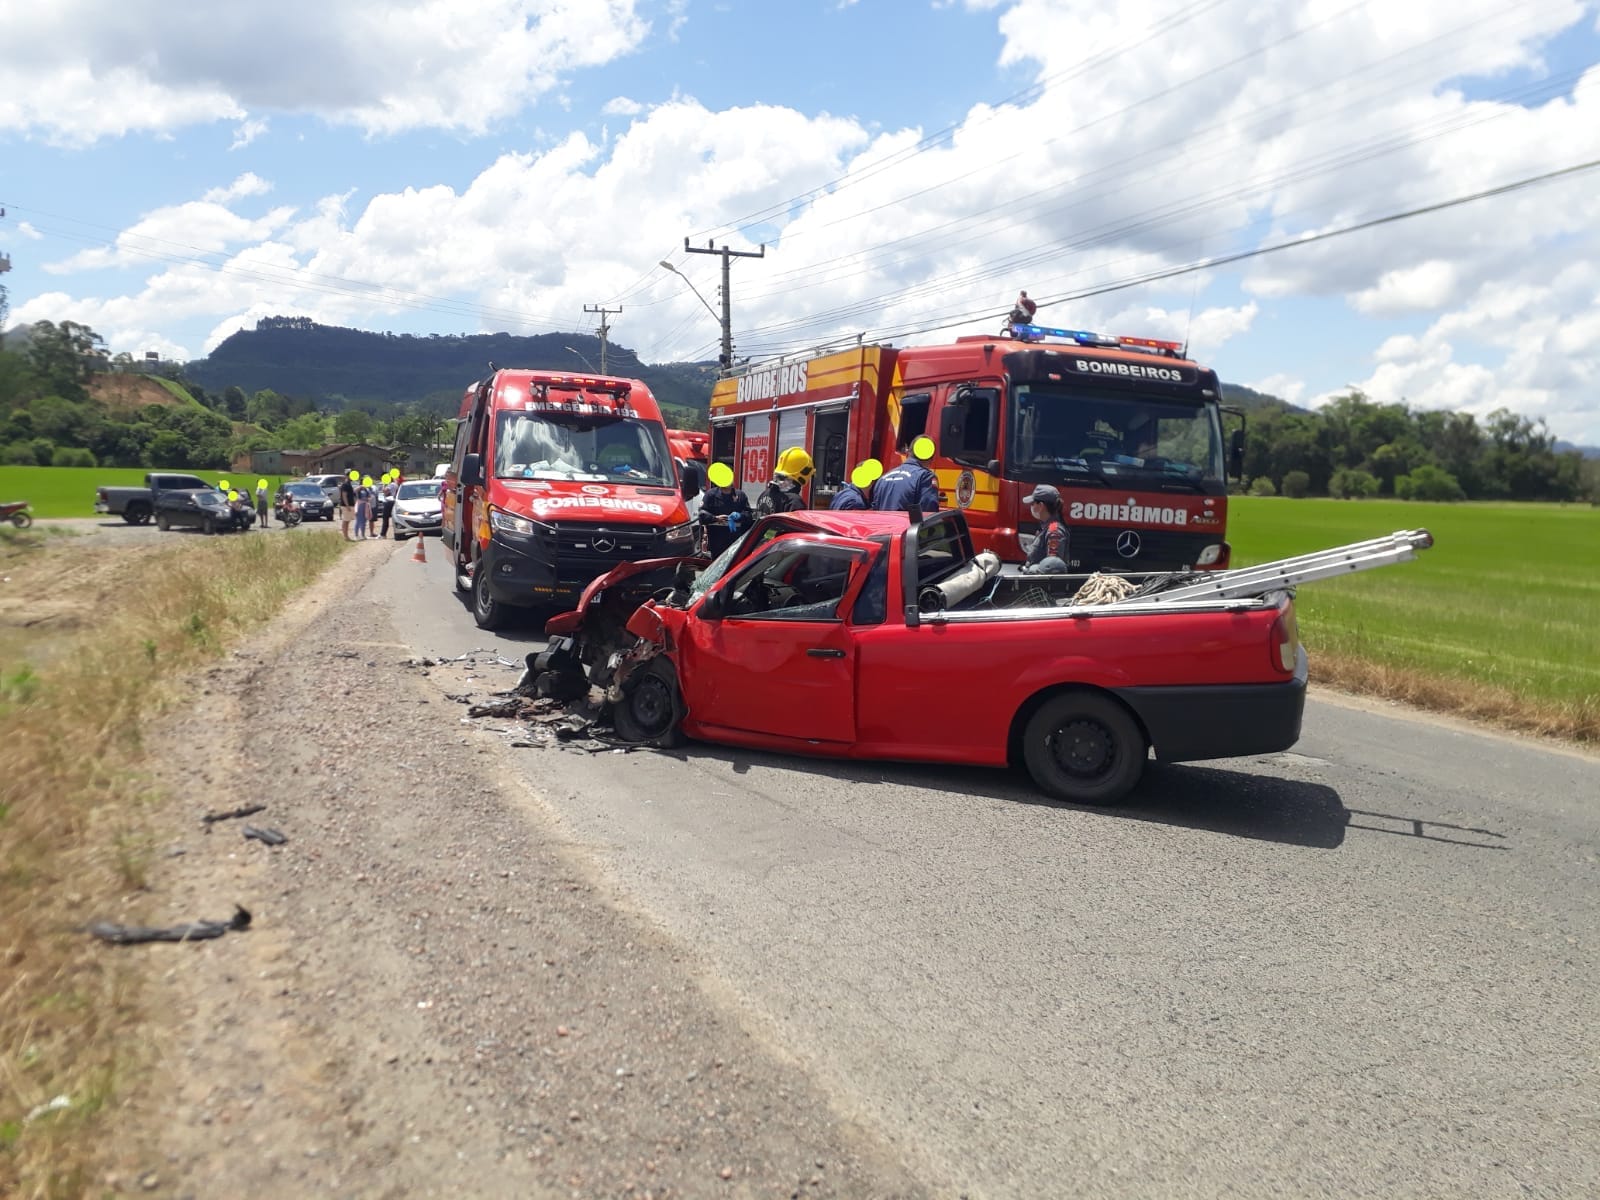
(585, 361)
(665, 265)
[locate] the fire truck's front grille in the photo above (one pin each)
(1104, 548)
(584, 551)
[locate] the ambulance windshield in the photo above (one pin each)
(1113, 437)
(581, 446)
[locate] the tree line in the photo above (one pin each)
(1353, 447)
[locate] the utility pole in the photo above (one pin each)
(726, 361)
(604, 329)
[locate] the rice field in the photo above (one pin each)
(1507, 601)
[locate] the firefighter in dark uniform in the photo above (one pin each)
(911, 484)
(724, 509)
(783, 493)
(857, 494)
(1052, 547)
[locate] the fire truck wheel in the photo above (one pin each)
(486, 610)
(651, 710)
(1084, 748)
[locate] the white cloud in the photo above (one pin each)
(78, 70)
(248, 184)
(248, 131)
(1283, 386)
(621, 106)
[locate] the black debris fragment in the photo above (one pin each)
(500, 708)
(192, 931)
(270, 836)
(248, 810)
(345, 654)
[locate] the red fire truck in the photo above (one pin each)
(1127, 428)
(556, 479)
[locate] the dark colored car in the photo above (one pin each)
(207, 511)
(313, 501)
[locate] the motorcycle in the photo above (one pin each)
(290, 515)
(17, 513)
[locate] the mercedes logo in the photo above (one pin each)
(1128, 544)
(604, 544)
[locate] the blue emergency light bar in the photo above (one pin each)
(1080, 337)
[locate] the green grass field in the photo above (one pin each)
(69, 491)
(1508, 596)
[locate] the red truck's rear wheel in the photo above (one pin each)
(1085, 748)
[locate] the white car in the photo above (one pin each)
(417, 508)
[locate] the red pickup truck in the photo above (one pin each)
(874, 635)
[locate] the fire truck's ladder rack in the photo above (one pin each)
(1254, 582)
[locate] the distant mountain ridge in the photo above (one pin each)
(340, 367)
(344, 368)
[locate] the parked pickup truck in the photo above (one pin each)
(874, 635)
(137, 505)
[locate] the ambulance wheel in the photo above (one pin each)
(488, 612)
(1084, 748)
(651, 709)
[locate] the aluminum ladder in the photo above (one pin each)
(1254, 582)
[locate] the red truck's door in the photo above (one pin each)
(775, 656)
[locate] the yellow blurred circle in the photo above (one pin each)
(366, 481)
(873, 467)
(354, 476)
(223, 485)
(720, 474)
(261, 485)
(233, 495)
(863, 476)
(923, 447)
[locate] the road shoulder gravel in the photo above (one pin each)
(438, 996)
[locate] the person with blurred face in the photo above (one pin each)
(724, 509)
(911, 485)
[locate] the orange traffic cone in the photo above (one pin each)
(420, 554)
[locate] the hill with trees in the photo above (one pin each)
(351, 368)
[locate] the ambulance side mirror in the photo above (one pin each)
(472, 470)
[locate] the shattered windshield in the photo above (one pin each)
(1056, 435)
(597, 448)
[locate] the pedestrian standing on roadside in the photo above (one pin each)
(263, 509)
(347, 505)
(363, 510)
(385, 507)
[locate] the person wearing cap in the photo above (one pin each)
(724, 509)
(1051, 546)
(783, 493)
(911, 484)
(857, 494)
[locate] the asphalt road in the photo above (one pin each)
(1365, 968)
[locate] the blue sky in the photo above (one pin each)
(462, 165)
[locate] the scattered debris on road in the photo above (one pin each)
(249, 810)
(271, 837)
(191, 931)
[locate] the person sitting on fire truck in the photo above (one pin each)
(724, 509)
(1022, 311)
(783, 493)
(857, 494)
(911, 484)
(1050, 551)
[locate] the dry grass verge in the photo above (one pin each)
(73, 832)
(1576, 721)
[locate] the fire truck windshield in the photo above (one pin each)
(582, 446)
(1059, 435)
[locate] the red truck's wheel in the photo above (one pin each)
(1085, 748)
(651, 709)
